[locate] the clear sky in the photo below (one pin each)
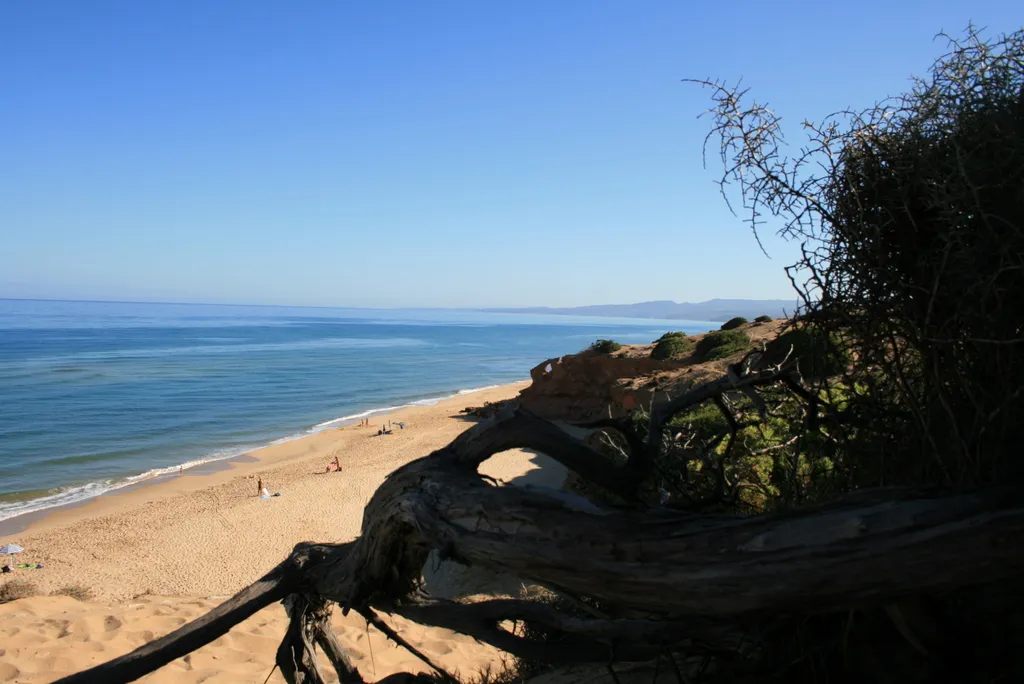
(411, 153)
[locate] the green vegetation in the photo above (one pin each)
(605, 346)
(816, 353)
(911, 223)
(763, 319)
(672, 346)
(733, 323)
(721, 344)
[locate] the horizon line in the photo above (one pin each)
(492, 309)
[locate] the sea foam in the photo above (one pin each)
(67, 496)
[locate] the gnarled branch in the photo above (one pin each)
(674, 575)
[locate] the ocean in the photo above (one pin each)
(96, 396)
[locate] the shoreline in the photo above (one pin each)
(209, 534)
(20, 522)
(131, 566)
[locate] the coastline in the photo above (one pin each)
(209, 534)
(39, 508)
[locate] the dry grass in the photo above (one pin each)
(509, 671)
(75, 591)
(17, 589)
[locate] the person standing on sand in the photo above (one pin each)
(259, 486)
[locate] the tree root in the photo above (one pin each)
(664, 579)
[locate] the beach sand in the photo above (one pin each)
(158, 556)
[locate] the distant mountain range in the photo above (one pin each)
(711, 310)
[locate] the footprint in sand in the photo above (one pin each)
(59, 626)
(110, 623)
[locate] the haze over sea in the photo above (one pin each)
(95, 396)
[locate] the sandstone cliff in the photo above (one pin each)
(590, 385)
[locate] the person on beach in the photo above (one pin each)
(333, 467)
(259, 486)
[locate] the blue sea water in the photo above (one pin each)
(98, 395)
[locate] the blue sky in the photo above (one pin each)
(473, 153)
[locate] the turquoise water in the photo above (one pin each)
(98, 395)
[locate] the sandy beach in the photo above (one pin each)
(157, 556)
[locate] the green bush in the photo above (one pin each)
(605, 346)
(721, 344)
(763, 319)
(733, 323)
(817, 355)
(675, 333)
(910, 233)
(672, 346)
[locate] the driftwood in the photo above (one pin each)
(662, 578)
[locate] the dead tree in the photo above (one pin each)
(663, 579)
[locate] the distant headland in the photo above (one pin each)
(711, 310)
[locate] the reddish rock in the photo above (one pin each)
(591, 385)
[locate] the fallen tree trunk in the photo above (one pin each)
(662, 578)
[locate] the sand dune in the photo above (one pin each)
(146, 554)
